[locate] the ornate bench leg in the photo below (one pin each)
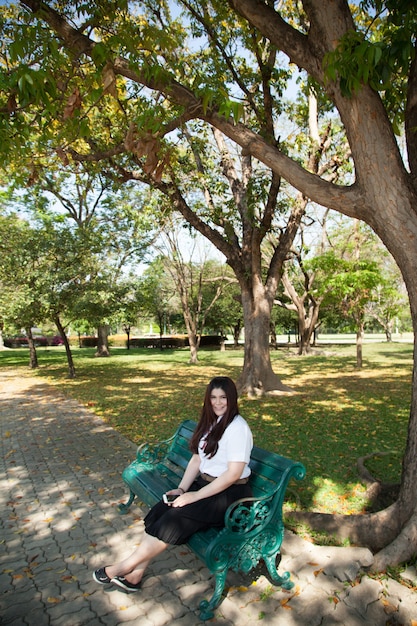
(281, 581)
(124, 508)
(207, 607)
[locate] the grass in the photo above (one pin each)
(335, 415)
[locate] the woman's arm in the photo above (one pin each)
(191, 471)
(222, 482)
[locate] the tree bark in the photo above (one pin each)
(359, 346)
(33, 357)
(2, 346)
(257, 376)
(63, 335)
(103, 341)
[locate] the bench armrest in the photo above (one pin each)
(249, 515)
(153, 453)
(252, 514)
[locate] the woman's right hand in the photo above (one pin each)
(174, 492)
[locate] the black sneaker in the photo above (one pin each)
(121, 581)
(101, 577)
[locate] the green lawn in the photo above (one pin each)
(335, 415)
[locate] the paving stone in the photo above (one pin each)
(362, 595)
(20, 609)
(410, 575)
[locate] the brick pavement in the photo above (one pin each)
(60, 483)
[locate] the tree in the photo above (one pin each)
(43, 272)
(329, 274)
(351, 288)
(362, 62)
(226, 316)
(157, 294)
(388, 304)
(20, 269)
(189, 278)
(109, 217)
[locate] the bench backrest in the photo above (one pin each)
(269, 470)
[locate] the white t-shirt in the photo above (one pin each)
(235, 445)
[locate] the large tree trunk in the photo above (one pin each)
(257, 376)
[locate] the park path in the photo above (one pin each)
(60, 484)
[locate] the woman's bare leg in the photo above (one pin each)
(134, 566)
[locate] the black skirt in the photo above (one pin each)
(175, 525)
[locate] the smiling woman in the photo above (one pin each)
(216, 476)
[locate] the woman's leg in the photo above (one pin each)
(134, 566)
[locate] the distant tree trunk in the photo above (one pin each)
(237, 328)
(2, 346)
(194, 344)
(102, 343)
(273, 335)
(359, 344)
(307, 315)
(126, 328)
(33, 357)
(63, 335)
(307, 331)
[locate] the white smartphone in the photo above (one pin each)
(168, 498)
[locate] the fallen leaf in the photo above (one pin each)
(69, 579)
(52, 600)
(388, 607)
(297, 591)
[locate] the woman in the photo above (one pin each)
(216, 476)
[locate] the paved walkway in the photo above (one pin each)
(60, 485)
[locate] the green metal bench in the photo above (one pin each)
(253, 528)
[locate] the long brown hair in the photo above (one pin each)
(207, 424)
